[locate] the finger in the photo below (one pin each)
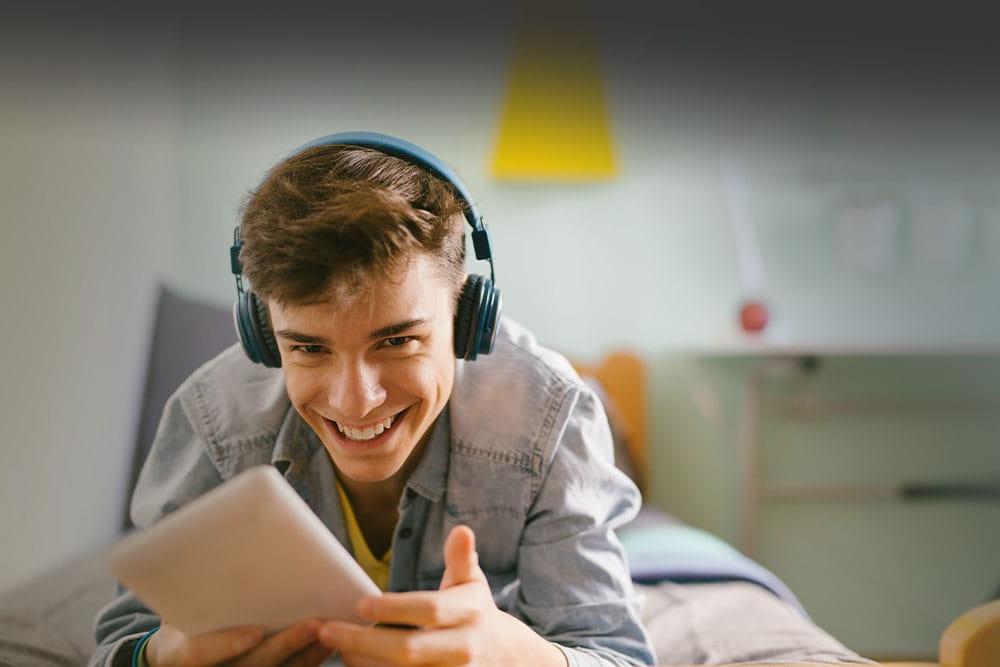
(427, 609)
(170, 645)
(311, 656)
(404, 647)
(461, 562)
(281, 645)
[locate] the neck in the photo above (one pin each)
(383, 494)
(371, 495)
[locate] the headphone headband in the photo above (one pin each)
(478, 310)
(416, 155)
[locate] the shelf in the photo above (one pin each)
(978, 491)
(800, 407)
(759, 348)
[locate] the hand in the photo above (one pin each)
(456, 625)
(295, 646)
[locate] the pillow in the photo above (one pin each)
(49, 620)
(619, 432)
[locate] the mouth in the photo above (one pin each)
(355, 437)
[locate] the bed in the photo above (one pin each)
(702, 601)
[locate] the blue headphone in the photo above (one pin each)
(478, 312)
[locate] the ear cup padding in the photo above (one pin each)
(465, 315)
(480, 314)
(244, 328)
(490, 320)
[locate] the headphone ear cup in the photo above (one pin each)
(270, 356)
(255, 334)
(465, 314)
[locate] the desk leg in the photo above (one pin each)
(749, 448)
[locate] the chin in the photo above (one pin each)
(366, 472)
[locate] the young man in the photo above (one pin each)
(480, 492)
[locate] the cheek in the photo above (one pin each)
(301, 386)
(427, 378)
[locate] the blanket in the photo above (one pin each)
(660, 548)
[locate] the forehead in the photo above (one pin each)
(414, 290)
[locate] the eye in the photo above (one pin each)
(307, 349)
(396, 341)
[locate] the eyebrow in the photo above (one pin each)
(384, 332)
(299, 337)
(396, 329)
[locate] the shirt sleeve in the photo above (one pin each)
(177, 470)
(575, 587)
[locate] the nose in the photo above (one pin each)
(356, 391)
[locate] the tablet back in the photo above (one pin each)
(249, 551)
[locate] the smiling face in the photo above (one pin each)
(371, 375)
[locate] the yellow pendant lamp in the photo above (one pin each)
(554, 125)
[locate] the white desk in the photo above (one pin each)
(796, 360)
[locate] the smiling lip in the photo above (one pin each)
(347, 443)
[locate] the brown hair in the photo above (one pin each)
(331, 217)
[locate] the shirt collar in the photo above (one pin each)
(294, 447)
(431, 475)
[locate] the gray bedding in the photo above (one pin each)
(734, 621)
(48, 621)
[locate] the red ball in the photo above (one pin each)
(753, 316)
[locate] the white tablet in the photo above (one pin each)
(249, 552)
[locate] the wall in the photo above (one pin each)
(872, 181)
(88, 189)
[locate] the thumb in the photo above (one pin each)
(461, 562)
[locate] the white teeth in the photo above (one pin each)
(366, 433)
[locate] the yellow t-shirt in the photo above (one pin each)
(376, 568)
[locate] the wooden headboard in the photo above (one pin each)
(623, 376)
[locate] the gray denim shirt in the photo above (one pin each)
(522, 454)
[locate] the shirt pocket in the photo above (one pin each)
(502, 584)
(490, 491)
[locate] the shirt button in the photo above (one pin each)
(406, 533)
